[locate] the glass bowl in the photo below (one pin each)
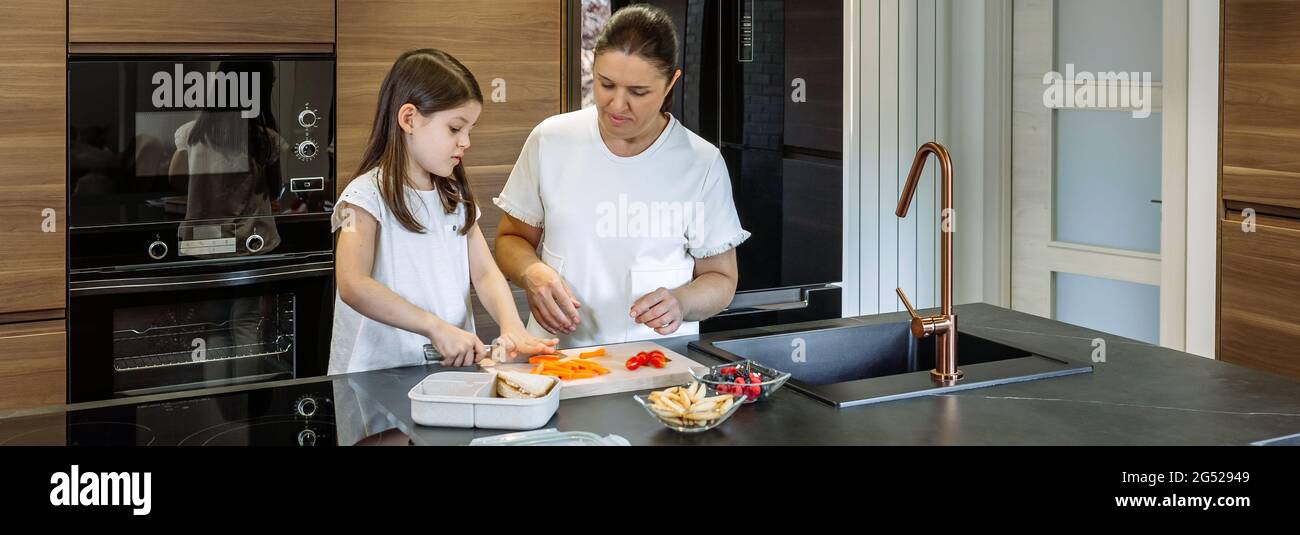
(688, 425)
(725, 379)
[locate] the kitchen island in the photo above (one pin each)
(1140, 395)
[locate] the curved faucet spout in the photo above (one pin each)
(943, 325)
(914, 176)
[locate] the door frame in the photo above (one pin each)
(1034, 252)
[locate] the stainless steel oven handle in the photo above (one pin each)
(771, 301)
(196, 282)
(770, 307)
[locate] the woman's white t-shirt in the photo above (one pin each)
(617, 228)
(429, 270)
(232, 195)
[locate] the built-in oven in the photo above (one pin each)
(200, 194)
(143, 333)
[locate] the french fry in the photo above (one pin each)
(685, 398)
(675, 407)
(703, 406)
(688, 406)
(662, 412)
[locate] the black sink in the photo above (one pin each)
(863, 363)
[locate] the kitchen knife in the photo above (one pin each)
(432, 356)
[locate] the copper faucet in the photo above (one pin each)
(944, 324)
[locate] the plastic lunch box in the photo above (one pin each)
(468, 399)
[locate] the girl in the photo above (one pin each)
(409, 245)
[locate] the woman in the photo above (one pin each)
(631, 213)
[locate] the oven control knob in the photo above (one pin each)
(306, 150)
(157, 250)
(306, 437)
(254, 243)
(308, 118)
(306, 407)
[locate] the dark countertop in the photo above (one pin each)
(1141, 394)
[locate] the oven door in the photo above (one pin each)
(180, 331)
(206, 138)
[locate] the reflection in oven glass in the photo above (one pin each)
(202, 342)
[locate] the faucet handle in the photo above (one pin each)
(911, 311)
(921, 327)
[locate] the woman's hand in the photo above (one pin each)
(517, 342)
(550, 299)
(659, 310)
(458, 347)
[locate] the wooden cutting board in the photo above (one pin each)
(620, 379)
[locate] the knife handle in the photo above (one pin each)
(432, 356)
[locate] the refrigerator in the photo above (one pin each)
(763, 81)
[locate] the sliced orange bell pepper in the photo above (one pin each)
(567, 369)
(598, 352)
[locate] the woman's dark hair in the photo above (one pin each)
(645, 31)
(432, 81)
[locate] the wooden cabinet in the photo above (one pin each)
(1259, 296)
(1259, 272)
(513, 46)
(33, 364)
(514, 50)
(1261, 102)
(32, 147)
(200, 21)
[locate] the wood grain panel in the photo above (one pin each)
(33, 34)
(1259, 272)
(33, 364)
(517, 42)
(200, 48)
(200, 21)
(1259, 311)
(32, 147)
(1261, 102)
(1261, 96)
(1261, 31)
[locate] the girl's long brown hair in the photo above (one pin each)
(432, 81)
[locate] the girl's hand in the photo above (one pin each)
(659, 310)
(458, 347)
(515, 342)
